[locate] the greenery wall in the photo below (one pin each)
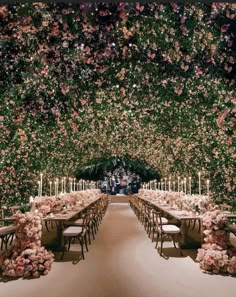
(146, 81)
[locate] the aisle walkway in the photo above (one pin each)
(122, 262)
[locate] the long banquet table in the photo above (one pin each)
(183, 216)
(61, 217)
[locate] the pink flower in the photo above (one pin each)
(29, 267)
(225, 27)
(45, 272)
(27, 274)
(35, 274)
(47, 265)
(11, 273)
(20, 271)
(21, 261)
(201, 254)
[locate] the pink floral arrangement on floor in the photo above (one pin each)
(216, 254)
(26, 258)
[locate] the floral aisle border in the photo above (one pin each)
(26, 258)
(216, 254)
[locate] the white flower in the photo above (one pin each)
(29, 252)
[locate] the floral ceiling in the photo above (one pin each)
(148, 81)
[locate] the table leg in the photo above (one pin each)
(57, 245)
(60, 238)
(184, 232)
(187, 242)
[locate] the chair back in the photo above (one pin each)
(7, 211)
(86, 220)
(159, 221)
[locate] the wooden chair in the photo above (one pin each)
(72, 233)
(155, 223)
(7, 233)
(83, 223)
(232, 229)
(167, 231)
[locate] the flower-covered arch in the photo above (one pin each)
(149, 81)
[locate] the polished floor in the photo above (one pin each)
(122, 262)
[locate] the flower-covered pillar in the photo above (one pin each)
(26, 258)
(216, 254)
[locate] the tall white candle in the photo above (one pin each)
(55, 184)
(185, 186)
(165, 183)
(62, 189)
(50, 188)
(31, 199)
(41, 184)
(199, 182)
(169, 185)
(39, 188)
(190, 185)
(208, 184)
(178, 183)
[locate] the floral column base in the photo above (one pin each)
(26, 258)
(216, 254)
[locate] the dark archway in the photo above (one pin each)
(99, 168)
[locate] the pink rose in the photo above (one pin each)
(6, 262)
(27, 274)
(11, 272)
(209, 261)
(224, 28)
(29, 268)
(21, 261)
(201, 254)
(20, 271)
(36, 274)
(45, 272)
(47, 265)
